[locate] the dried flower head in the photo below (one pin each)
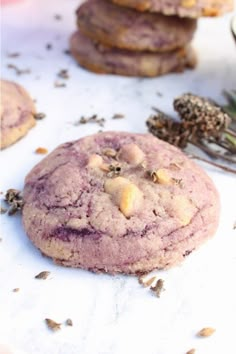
(203, 117)
(168, 130)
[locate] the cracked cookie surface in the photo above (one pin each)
(119, 202)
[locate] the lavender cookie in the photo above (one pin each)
(120, 27)
(119, 202)
(100, 59)
(17, 113)
(182, 8)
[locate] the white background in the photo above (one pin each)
(111, 315)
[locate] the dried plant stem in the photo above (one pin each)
(211, 153)
(230, 132)
(225, 168)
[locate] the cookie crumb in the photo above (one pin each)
(39, 116)
(41, 150)
(158, 288)
(54, 326)
(93, 119)
(148, 282)
(15, 290)
(42, 275)
(118, 116)
(69, 322)
(191, 351)
(206, 332)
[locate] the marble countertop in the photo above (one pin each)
(110, 314)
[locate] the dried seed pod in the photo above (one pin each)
(168, 130)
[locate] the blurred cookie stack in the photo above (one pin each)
(140, 37)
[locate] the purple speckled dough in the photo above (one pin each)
(182, 8)
(120, 27)
(100, 59)
(82, 215)
(16, 113)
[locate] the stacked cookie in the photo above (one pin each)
(140, 37)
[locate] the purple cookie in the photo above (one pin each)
(119, 27)
(17, 113)
(119, 202)
(182, 8)
(105, 60)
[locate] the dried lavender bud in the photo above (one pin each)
(39, 116)
(206, 332)
(69, 322)
(42, 275)
(63, 74)
(201, 116)
(14, 198)
(17, 70)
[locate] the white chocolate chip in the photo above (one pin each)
(132, 154)
(162, 176)
(131, 198)
(95, 161)
(183, 209)
(126, 194)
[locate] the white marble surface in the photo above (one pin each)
(111, 315)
